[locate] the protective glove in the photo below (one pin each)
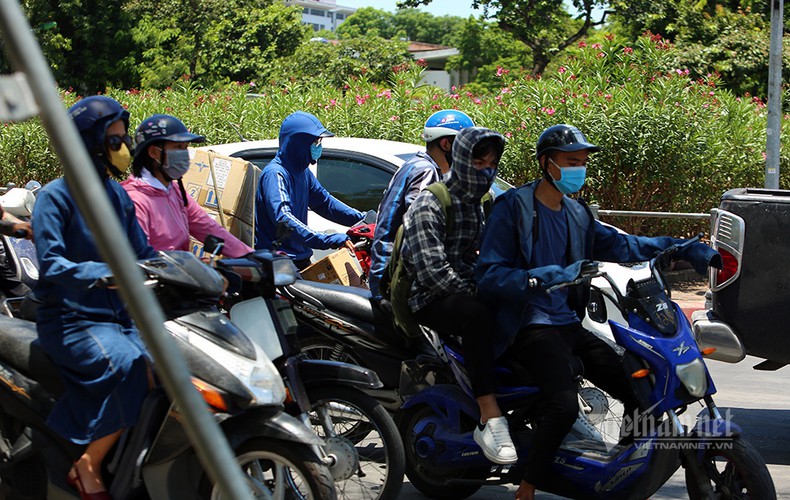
(553, 274)
(701, 256)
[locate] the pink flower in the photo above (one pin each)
(600, 55)
(385, 93)
(394, 118)
(501, 71)
(596, 46)
(582, 44)
(506, 90)
(628, 50)
(476, 101)
(508, 135)
(548, 111)
(562, 69)
(608, 97)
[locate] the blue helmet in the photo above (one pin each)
(445, 123)
(562, 138)
(92, 116)
(159, 128)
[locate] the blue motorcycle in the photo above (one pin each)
(667, 374)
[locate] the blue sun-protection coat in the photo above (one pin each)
(287, 188)
(85, 329)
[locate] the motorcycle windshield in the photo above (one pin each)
(186, 271)
(217, 328)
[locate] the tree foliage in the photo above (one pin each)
(407, 24)
(545, 26)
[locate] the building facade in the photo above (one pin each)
(322, 14)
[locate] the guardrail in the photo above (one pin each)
(657, 215)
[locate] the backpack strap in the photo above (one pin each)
(439, 189)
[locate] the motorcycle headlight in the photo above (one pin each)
(266, 385)
(694, 377)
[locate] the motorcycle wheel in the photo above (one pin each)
(25, 479)
(320, 347)
(375, 462)
(279, 469)
(736, 470)
(430, 482)
(603, 411)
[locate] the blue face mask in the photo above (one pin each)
(315, 151)
(176, 163)
(571, 178)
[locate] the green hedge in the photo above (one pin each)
(669, 143)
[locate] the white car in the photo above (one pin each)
(357, 171)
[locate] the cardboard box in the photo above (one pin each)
(221, 182)
(339, 267)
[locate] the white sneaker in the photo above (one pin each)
(494, 439)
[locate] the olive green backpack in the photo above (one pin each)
(396, 282)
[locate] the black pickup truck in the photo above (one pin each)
(749, 307)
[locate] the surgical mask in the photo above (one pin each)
(315, 151)
(120, 159)
(177, 163)
(571, 178)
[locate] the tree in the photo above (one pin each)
(407, 24)
(545, 26)
(212, 41)
(90, 46)
(335, 64)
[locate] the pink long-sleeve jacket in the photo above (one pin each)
(169, 224)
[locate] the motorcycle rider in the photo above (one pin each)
(164, 210)
(287, 188)
(411, 178)
(443, 294)
(536, 234)
(83, 327)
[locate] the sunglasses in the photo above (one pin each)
(114, 141)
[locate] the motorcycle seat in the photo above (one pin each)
(351, 301)
(19, 348)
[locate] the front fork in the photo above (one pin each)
(690, 457)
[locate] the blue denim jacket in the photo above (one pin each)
(504, 267)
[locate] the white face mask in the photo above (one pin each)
(176, 163)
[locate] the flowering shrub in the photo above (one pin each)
(669, 143)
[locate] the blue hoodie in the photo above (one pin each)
(287, 188)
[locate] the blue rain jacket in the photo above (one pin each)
(410, 179)
(504, 267)
(287, 188)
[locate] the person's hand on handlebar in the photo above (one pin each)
(350, 246)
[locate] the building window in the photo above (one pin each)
(340, 17)
(318, 12)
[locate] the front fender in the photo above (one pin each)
(315, 372)
(707, 428)
(270, 423)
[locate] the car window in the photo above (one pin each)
(356, 184)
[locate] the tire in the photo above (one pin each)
(736, 470)
(262, 459)
(316, 346)
(362, 427)
(428, 481)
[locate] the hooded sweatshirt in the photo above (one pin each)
(287, 188)
(443, 264)
(169, 224)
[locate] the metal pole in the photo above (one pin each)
(774, 96)
(203, 430)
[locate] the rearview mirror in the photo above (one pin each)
(596, 307)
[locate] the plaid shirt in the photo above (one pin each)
(443, 264)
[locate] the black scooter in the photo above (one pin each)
(155, 458)
(363, 448)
